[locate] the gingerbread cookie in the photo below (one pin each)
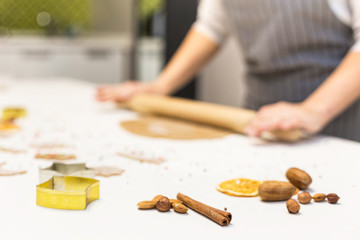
(107, 171)
(11, 173)
(61, 157)
(4, 172)
(10, 150)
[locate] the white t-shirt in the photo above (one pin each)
(212, 18)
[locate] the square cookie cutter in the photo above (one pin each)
(67, 192)
(63, 169)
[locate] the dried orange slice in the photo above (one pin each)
(240, 187)
(8, 126)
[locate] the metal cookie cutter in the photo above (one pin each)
(68, 192)
(63, 169)
(13, 113)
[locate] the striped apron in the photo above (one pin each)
(290, 48)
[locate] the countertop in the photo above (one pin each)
(122, 42)
(64, 111)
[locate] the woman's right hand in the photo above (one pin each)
(124, 91)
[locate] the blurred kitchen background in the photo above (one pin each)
(109, 41)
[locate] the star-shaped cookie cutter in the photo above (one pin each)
(64, 169)
(67, 192)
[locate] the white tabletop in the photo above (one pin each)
(64, 111)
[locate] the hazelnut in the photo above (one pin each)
(319, 197)
(304, 198)
(163, 205)
(332, 198)
(293, 206)
(299, 178)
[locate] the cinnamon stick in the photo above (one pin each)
(221, 217)
(223, 213)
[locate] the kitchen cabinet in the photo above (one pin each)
(149, 58)
(103, 59)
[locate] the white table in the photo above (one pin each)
(65, 110)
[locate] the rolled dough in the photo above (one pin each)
(170, 128)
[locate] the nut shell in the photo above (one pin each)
(157, 198)
(172, 201)
(276, 191)
(332, 198)
(299, 178)
(293, 206)
(146, 205)
(180, 208)
(319, 197)
(163, 205)
(304, 198)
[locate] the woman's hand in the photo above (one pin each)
(285, 116)
(193, 53)
(124, 91)
(318, 109)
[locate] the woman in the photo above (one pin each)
(302, 56)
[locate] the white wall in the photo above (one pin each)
(221, 80)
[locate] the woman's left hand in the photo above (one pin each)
(285, 116)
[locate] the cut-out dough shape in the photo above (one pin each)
(61, 157)
(4, 172)
(107, 171)
(50, 145)
(10, 150)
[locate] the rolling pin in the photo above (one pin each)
(230, 118)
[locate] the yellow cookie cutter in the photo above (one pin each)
(13, 113)
(67, 192)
